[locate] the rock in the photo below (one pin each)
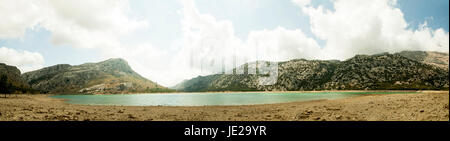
(422, 111)
(131, 116)
(121, 111)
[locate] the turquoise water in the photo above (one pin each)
(203, 99)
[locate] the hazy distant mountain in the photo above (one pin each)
(10, 81)
(110, 76)
(381, 71)
(428, 57)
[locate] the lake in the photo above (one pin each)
(205, 99)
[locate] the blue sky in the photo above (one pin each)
(164, 25)
(435, 12)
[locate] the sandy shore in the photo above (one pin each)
(427, 106)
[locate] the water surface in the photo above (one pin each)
(204, 99)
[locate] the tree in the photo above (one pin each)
(4, 84)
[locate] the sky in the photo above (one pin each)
(172, 40)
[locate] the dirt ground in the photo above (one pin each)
(426, 106)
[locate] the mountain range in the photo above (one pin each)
(416, 70)
(406, 70)
(107, 77)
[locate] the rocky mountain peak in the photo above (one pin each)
(115, 60)
(109, 76)
(9, 69)
(116, 64)
(438, 59)
(10, 79)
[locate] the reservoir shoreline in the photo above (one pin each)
(318, 91)
(213, 98)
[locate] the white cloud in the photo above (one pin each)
(281, 44)
(302, 3)
(367, 27)
(78, 23)
(90, 24)
(208, 42)
(24, 60)
(16, 17)
(205, 39)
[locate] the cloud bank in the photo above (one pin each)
(78, 23)
(24, 60)
(207, 38)
(368, 27)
